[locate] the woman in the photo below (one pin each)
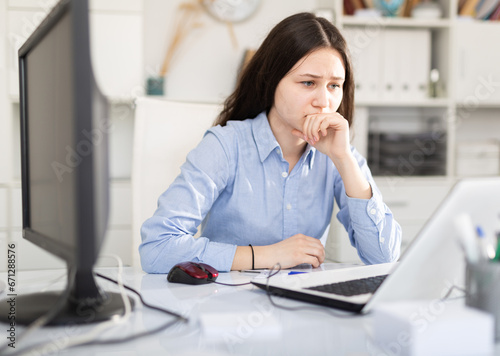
(262, 182)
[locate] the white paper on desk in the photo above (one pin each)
(223, 327)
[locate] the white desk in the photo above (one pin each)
(259, 327)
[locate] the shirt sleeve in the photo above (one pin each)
(168, 236)
(370, 224)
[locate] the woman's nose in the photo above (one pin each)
(321, 98)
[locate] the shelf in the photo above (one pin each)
(14, 183)
(429, 103)
(466, 20)
(384, 180)
(117, 100)
(480, 105)
(113, 100)
(395, 22)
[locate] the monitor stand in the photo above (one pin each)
(85, 304)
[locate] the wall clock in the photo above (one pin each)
(231, 10)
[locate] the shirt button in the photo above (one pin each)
(382, 240)
(288, 206)
(284, 174)
(278, 151)
(373, 211)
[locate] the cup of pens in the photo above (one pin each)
(482, 284)
(482, 273)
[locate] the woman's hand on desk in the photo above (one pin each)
(296, 250)
(291, 252)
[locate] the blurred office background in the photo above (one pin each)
(427, 102)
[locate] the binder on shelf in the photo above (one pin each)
(407, 61)
(390, 64)
(477, 68)
(348, 8)
(358, 4)
(415, 50)
(372, 63)
(405, 86)
(486, 8)
(496, 14)
(469, 8)
(366, 52)
(408, 6)
(368, 4)
(461, 4)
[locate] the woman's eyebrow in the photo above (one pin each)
(319, 76)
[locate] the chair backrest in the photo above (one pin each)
(164, 133)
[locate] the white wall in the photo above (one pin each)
(116, 45)
(129, 39)
(206, 63)
(129, 42)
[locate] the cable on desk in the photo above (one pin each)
(135, 336)
(144, 333)
(232, 285)
(143, 301)
(448, 294)
(44, 319)
(141, 334)
(89, 338)
(115, 320)
(95, 331)
(318, 308)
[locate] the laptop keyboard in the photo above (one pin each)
(353, 287)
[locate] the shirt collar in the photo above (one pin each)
(309, 155)
(263, 136)
(266, 142)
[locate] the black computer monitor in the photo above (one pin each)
(64, 163)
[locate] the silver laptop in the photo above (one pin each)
(431, 265)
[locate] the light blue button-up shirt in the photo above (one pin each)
(235, 183)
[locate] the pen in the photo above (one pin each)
(486, 245)
(467, 237)
(251, 271)
(295, 272)
(497, 254)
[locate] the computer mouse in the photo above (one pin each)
(192, 273)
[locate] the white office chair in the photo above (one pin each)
(164, 133)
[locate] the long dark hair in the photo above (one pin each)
(288, 42)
